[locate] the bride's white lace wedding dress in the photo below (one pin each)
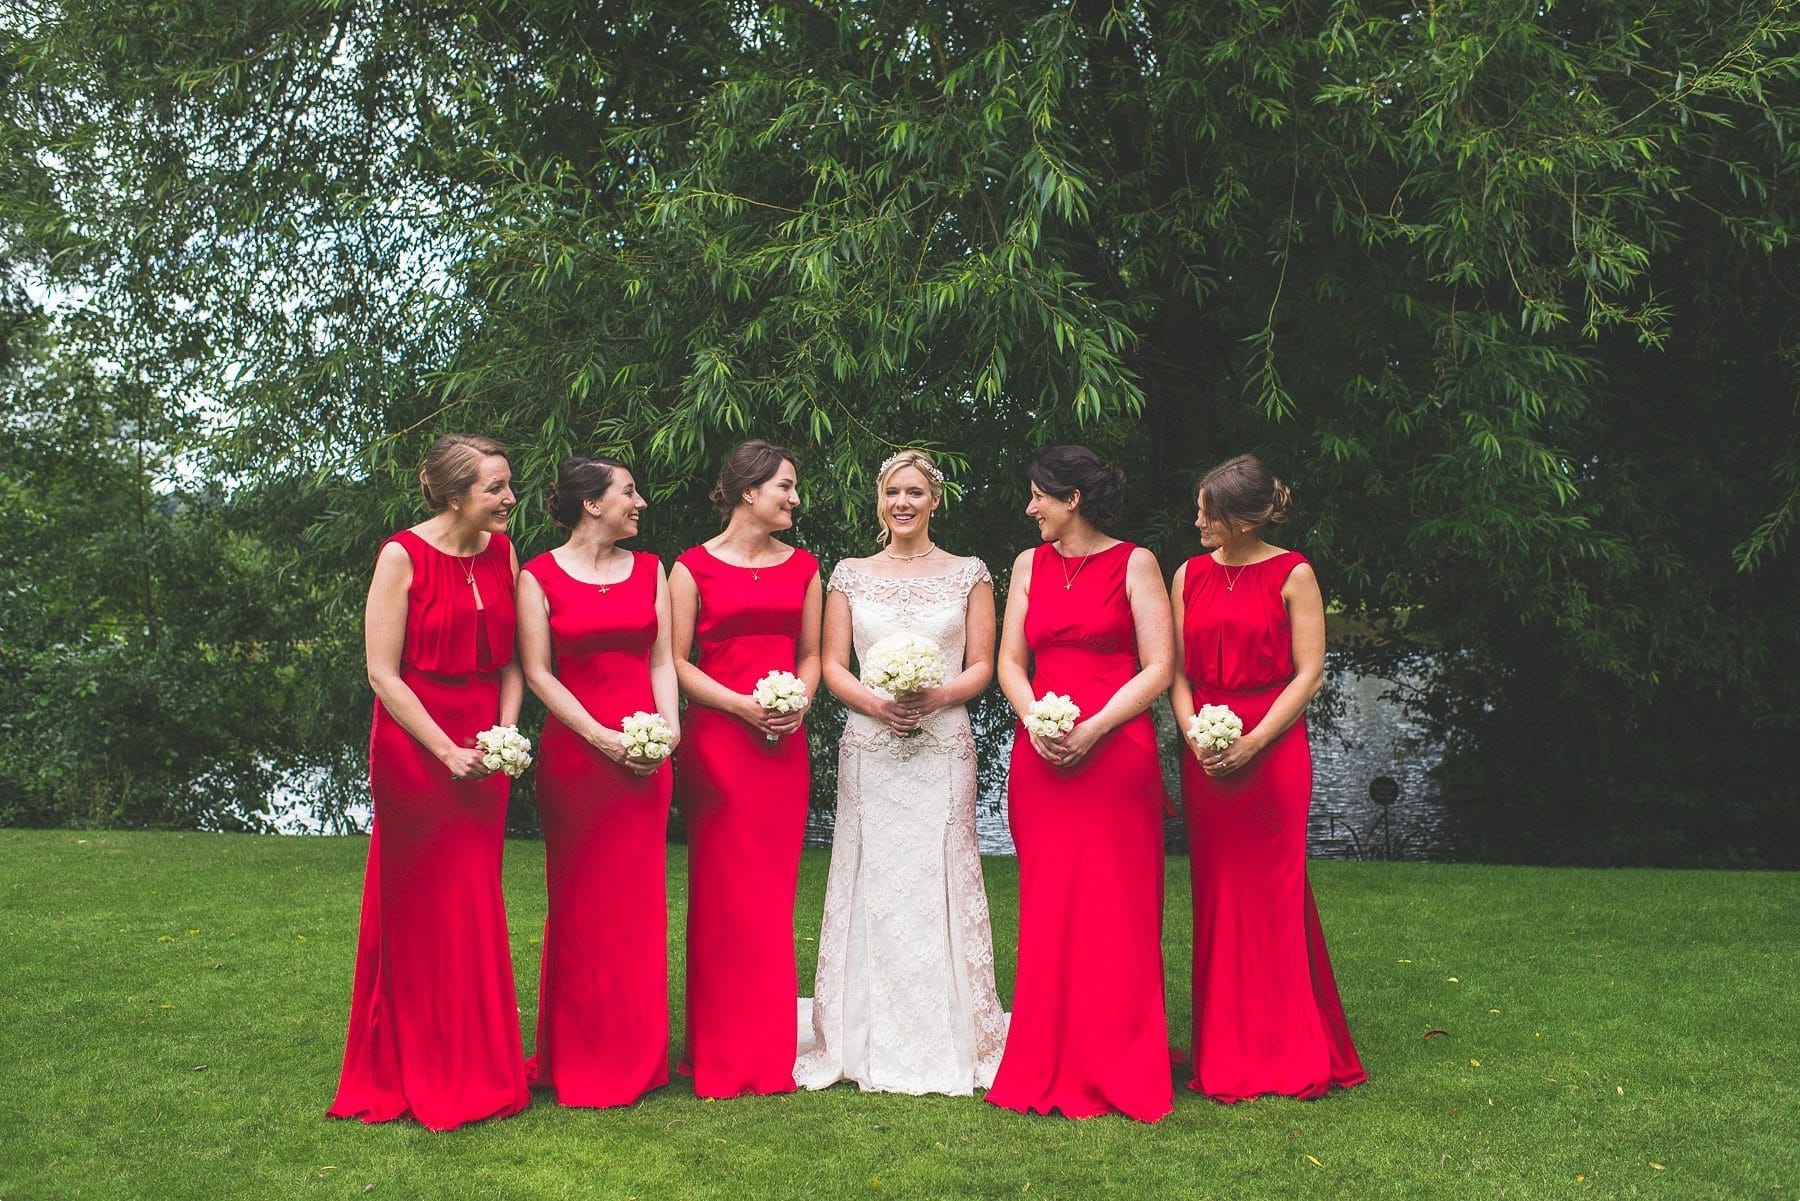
(904, 997)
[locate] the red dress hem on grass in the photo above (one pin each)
(1267, 1017)
(434, 1020)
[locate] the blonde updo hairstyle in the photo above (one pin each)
(921, 462)
(453, 465)
(1243, 490)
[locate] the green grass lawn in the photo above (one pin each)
(172, 1013)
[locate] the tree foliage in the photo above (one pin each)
(1507, 290)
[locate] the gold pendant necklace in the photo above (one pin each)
(1069, 579)
(468, 568)
(607, 587)
(1231, 580)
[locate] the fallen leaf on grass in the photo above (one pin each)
(1474, 1063)
(165, 938)
(1656, 1165)
(1315, 1163)
(1435, 1032)
(1451, 980)
(199, 1067)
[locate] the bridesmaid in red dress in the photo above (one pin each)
(1085, 617)
(594, 642)
(434, 1022)
(751, 604)
(1250, 626)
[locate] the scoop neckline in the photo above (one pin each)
(792, 551)
(1212, 557)
(573, 579)
(1090, 554)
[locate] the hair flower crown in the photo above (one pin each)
(937, 477)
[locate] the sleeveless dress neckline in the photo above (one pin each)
(637, 558)
(429, 545)
(792, 551)
(1091, 554)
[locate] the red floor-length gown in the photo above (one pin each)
(1267, 1018)
(434, 1020)
(744, 801)
(1089, 1033)
(603, 989)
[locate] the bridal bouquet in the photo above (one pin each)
(903, 663)
(1214, 728)
(781, 691)
(506, 750)
(647, 736)
(1052, 714)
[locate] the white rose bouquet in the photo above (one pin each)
(782, 691)
(505, 749)
(646, 736)
(1214, 728)
(903, 663)
(1052, 714)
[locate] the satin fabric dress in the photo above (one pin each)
(744, 800)
(434, 1020)
(1267, 1018)
(603, 987)
(1089, 1032)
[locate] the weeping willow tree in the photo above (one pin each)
(1506, 290)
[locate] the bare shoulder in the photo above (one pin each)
(393, 558)
(1144, 559)
(1301, 579)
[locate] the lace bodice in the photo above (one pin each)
(934, 607)
(905, 998)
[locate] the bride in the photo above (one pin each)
(904, 995)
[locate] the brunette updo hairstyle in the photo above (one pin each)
(1063, 471)
(1242, 489)
(579, 480)
(749, 465)
(452, 465)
